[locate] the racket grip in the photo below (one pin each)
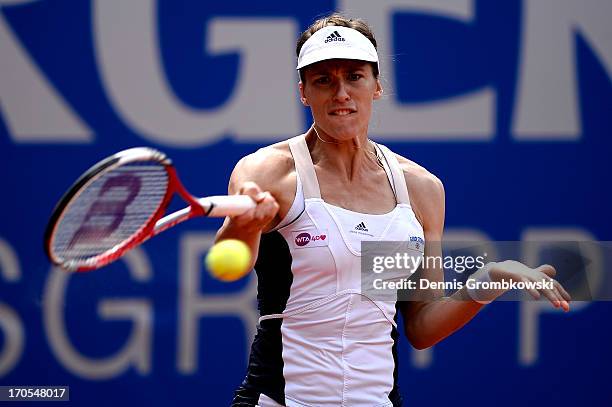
(227, 205)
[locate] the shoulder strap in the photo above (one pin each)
(383, 161)
(305, 167)
(399, 180)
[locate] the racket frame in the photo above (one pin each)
(154, 225)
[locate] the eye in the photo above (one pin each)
(322, 80)
(354, 76)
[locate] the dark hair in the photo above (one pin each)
(339, 20)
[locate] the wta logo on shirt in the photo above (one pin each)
(306, 239)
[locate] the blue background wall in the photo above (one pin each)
(532, 156)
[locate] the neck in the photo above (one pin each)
(345, 158)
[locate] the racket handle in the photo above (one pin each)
(227, 205)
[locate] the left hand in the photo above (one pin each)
(515, 271)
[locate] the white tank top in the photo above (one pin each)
(337, 344)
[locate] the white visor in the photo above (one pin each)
(335, 42)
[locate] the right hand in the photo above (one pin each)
(262, 214)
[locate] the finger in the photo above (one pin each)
(564, 294)
(271, 202)
(267, 208)
(552, 297)
(251, 189)
(565, 305)
(252, 193)
(547, 269)
(264, 214)
(272, 207)
(555, 295)
(265, 197)
(245, 217)
(265, 204)
(562, 301)
(532, 291)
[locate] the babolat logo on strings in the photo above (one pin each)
(335, 36)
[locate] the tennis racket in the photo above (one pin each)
(118, 204)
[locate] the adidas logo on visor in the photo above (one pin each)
(335, 36)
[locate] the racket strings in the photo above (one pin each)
(110, 210)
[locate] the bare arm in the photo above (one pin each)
(428, 322)
(265, 177)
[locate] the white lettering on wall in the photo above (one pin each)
(11, 325)
(547, 102)
(465, 117)
(136, 351)
(534, 240)
(194, 305)
(263, 105)
(33, 110)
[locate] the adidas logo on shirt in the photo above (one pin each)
(362, 227)
(335, 36)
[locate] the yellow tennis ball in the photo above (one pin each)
(229, 260)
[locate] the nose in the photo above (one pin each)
(341, 93)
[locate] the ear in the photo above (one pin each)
(379, 90)
(302, 95)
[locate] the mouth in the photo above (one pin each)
(342, 112)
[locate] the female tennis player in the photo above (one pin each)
(321, 341)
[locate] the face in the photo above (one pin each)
(340, 93)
